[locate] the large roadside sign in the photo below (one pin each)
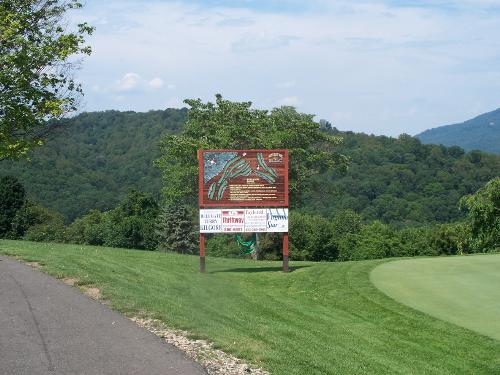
(243, 191)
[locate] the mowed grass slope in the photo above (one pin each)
(462, 290)
(319, 319)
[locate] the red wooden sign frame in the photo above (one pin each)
(255, 179)
(271, 185)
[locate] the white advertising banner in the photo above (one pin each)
(256, 220)
(277, 220)
(248, 220)
(210, 221)
(233, 221)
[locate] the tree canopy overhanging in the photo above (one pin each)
(37, 58)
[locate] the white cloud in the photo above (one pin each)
(132, 82)
(156, 83)
(363, 61)
(128, 82)
(289, 101)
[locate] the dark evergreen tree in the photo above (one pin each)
(175, 230)
(12, 196)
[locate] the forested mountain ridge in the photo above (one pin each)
(479, 133)
(401, 181)
(94, 158)
(97, 157)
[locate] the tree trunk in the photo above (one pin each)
(256, 253)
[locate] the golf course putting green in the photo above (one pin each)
(464, 290)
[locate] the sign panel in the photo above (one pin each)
(243, 178)
(248, 220)
(277, 220)
(233, 221)
(210, 221)
(256, 220)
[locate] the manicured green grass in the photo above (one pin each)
(319, 319)
(462, 290)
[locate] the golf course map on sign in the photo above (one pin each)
(244, 178)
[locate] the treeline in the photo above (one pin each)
(138, 222)
(346, 237)
(94, 159)
(401, 181)
(131, 224)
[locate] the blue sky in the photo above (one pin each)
(382, 67)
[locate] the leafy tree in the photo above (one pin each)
(132, 223)
(236, 125)
(344, 222)
(401, 181)
(12, 197)
(36, 62)
(311, 238)
(129, 225)
(175, 230)
(484, 215)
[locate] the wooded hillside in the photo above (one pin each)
(95, 158)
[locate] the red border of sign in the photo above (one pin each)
(203, 204)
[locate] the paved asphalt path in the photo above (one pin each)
(47, 327)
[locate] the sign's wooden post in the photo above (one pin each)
(200, 198)
(202, 252)
(285, 235)
(285, 252)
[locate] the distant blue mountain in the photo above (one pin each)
(480, 133)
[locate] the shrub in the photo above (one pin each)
(311, 238)
(374, 241)
(222, 245)
(415, 242)
(89, 229)
(34, 222)
(450, 239)
(131, 224)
